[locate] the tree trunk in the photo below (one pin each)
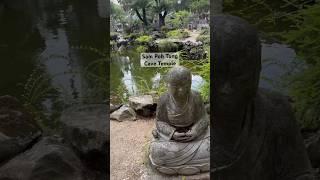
(143, 18)
(162, 19)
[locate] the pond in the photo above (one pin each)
(52, 44)
(129, 78)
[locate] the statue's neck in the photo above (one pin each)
(180, 101)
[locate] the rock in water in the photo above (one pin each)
(49, 159)
(143, 105)
(18, 130)
(125, 113)
(85, 128)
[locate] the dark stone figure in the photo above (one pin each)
(181, 142)
(254, 130)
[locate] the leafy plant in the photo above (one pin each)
(141, 49)
(180, 19)
(144, 39)
(178, 34)
(204, 39)
(167, 46)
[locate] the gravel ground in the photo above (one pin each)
(128, 149)
(129, 140)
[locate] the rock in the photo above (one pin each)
(85, 128)
(18, 130)
(125, 113)
(143, 105)
(157, 35)
(313, 149)
(114, 107)
(194, 50)
(49, 159)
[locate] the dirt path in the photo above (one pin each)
(128, 147)
(193, 36)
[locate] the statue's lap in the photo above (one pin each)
(171, 157)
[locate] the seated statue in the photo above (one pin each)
(255, 134)
(181, 144)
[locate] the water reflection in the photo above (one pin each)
(129, 78)
(48, 35)
(278, 63)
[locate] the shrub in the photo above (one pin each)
(205, 31)
(141, 49)
(178, 34)
(144, 39)
(180, 19)
(167, 46)
(204, 38)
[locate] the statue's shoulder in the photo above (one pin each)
(196, 95)
(163, 99)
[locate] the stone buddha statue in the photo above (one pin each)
(255, 134)
(181, 144)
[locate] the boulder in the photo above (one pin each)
(143, 105)
(114, 107)
(49, 159)
(194, 50)
(18, 130)
(157, 35)
(124, 113)
(86, 128)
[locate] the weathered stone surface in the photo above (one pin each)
(18, 130)
(313, 149)
(157, 35)
(49, 159)
(143, 105)
(182, 136)
(86, 129)
(125, 113)
(255, 133)
(114, 107)
(194, 50)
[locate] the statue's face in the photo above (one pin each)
(180, 89)
(179, 82)
(232, 93)
(237, 54)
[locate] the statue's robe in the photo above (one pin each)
(270, 146)
(173, 157)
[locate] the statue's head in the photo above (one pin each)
(179, 81)
(237, 63)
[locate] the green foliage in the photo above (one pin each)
(178, 34)
(306, 95)
(144, 39)
(305, 35)
(204, 38)
(141, 49)
(116, 12)
(305, 87)
(167, 46)
(200, 6)
(205, 31)
(180, 19)
(38, 89)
